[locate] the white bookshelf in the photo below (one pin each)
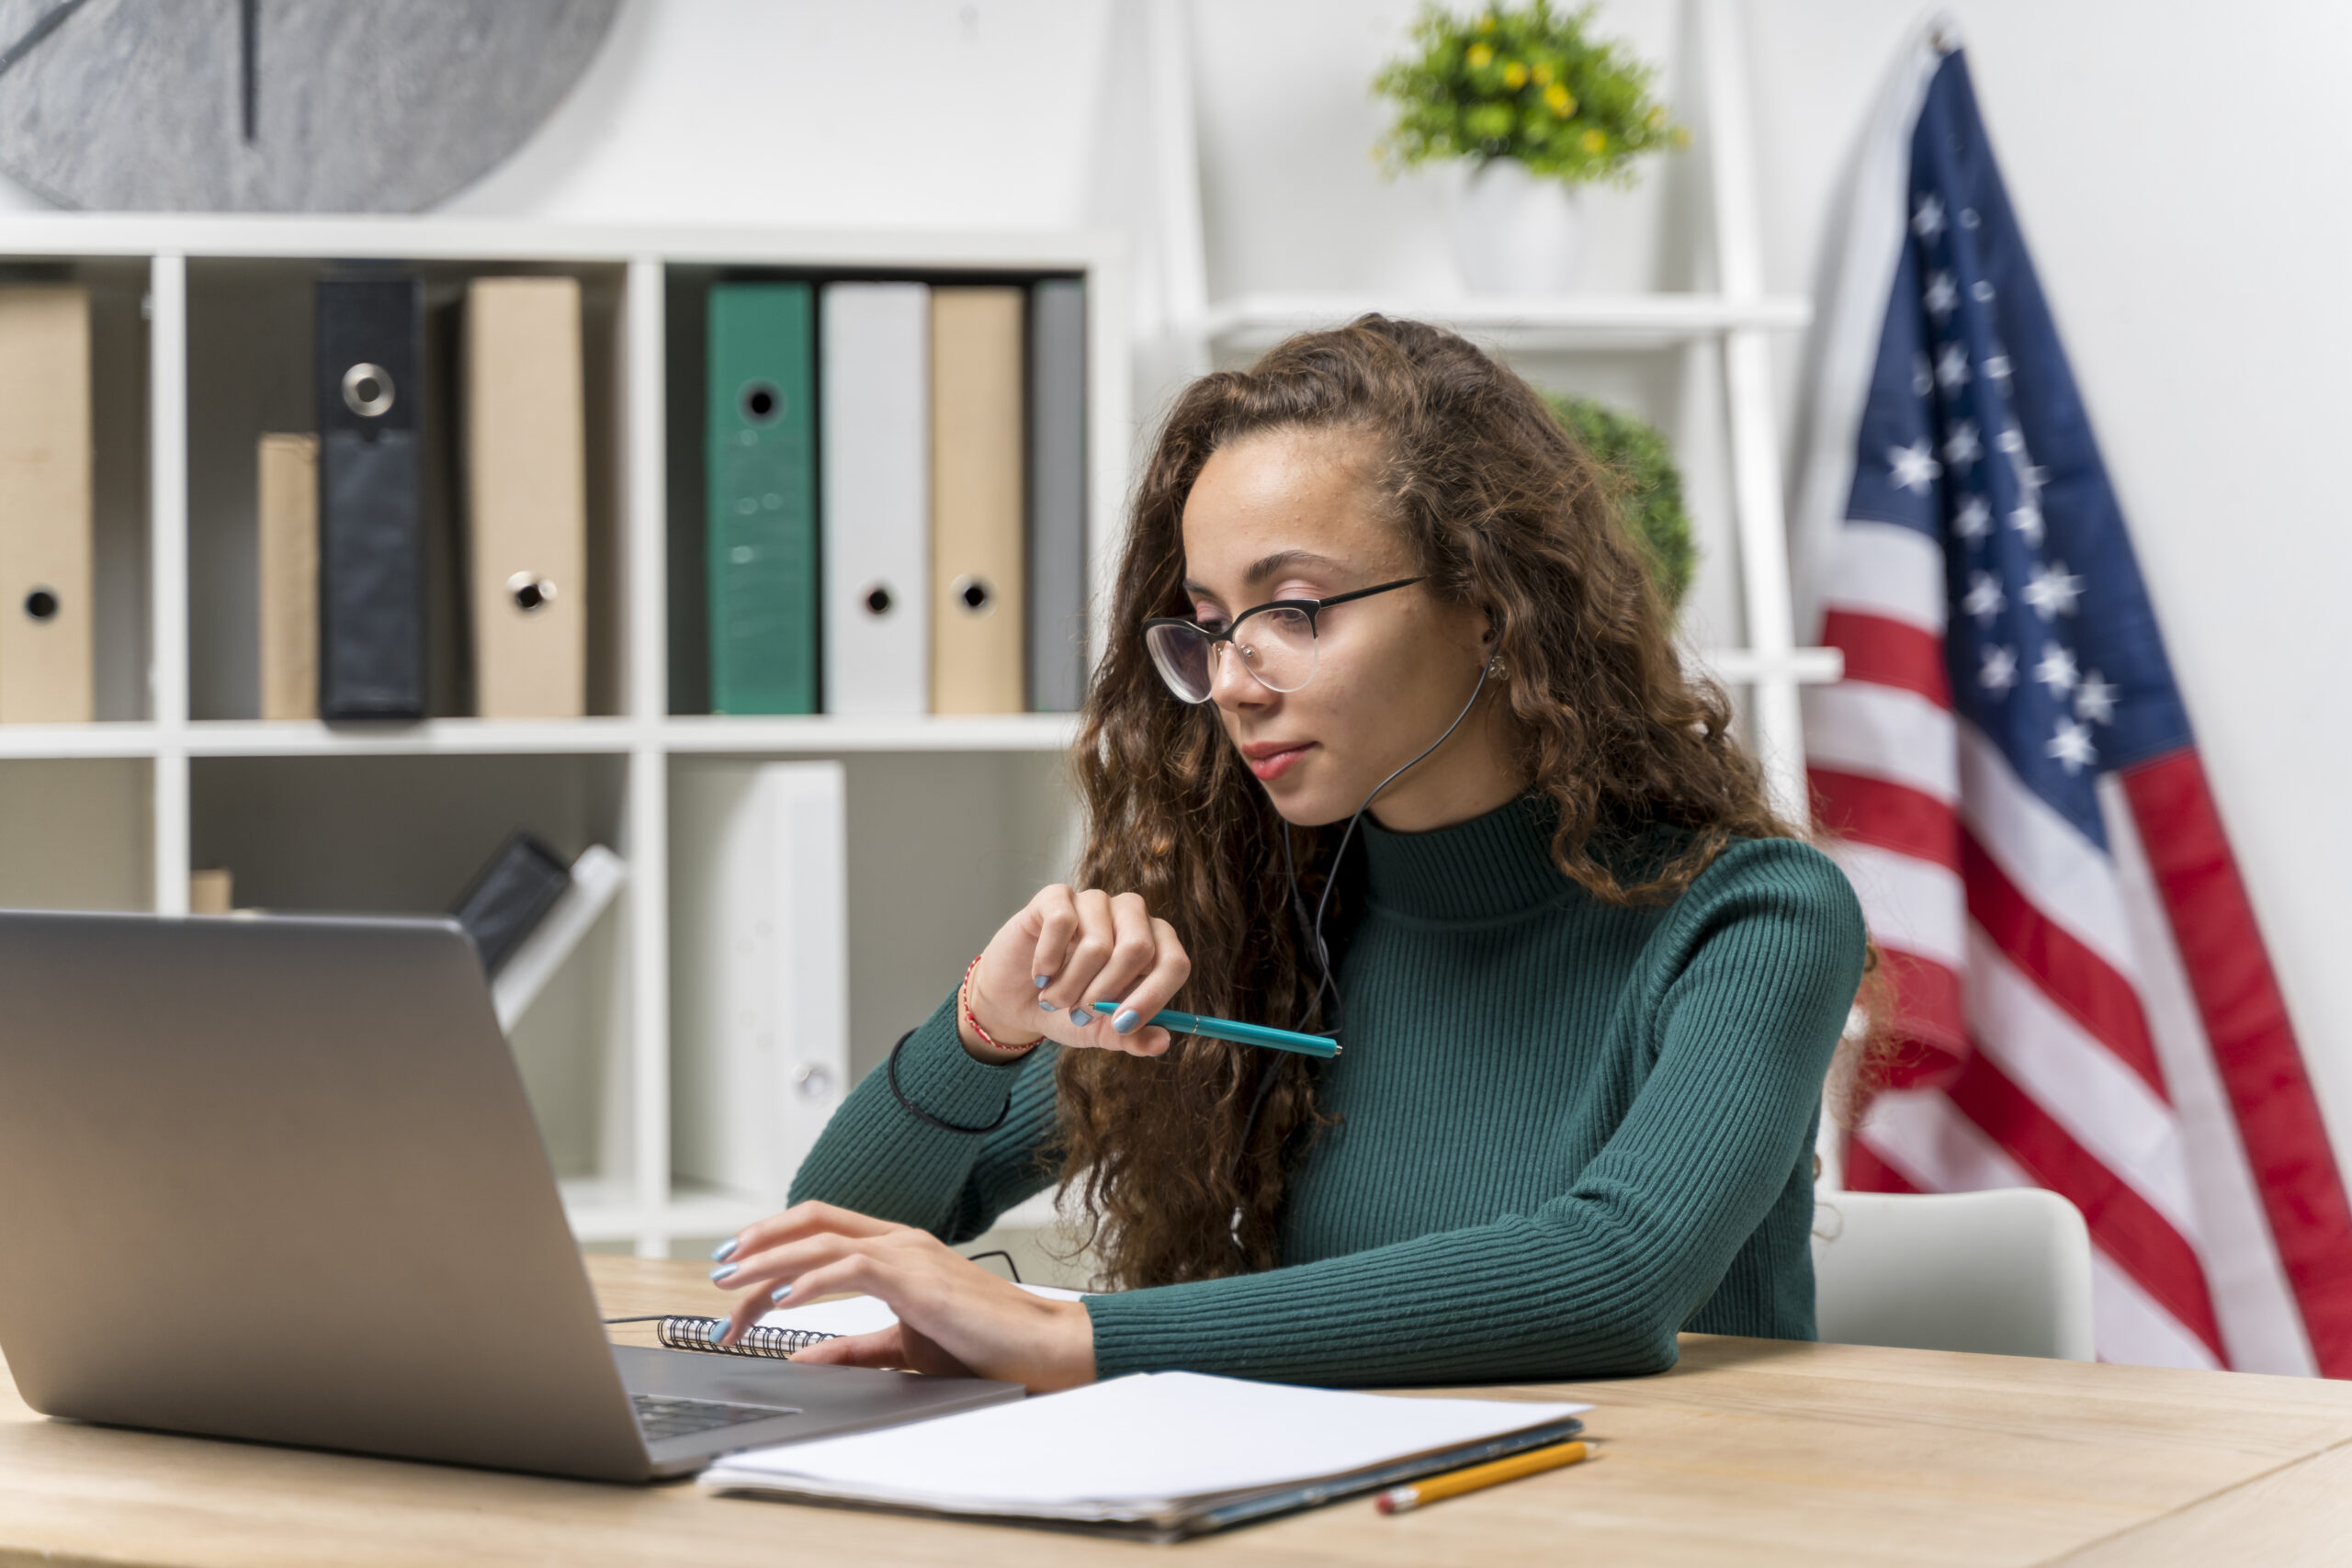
(960, 814)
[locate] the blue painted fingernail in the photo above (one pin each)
(718, 1330)
(725, 1250)
(721, 1274)
(779, 1293)
(1126, 1020)
(1044, 981)
(1079, 1018)
(1049, 1007)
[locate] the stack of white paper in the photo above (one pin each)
(1153, 1449)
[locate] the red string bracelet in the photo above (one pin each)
(964, 1005)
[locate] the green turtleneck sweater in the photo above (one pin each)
(1567, 1130)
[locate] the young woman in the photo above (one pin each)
(1587, 985)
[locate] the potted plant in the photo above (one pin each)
(1648, 486)
(1539, 110)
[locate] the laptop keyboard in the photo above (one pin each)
(661, 1416)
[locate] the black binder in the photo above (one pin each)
(371, 499)
(508, 897)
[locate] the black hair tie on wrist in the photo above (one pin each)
(890, 1069)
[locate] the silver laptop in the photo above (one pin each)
(275, 1179)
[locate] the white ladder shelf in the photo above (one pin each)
(1732, 323)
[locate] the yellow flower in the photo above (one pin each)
(1480, 57)
(1514, 75)
(1594, 141)
(1657, 117)
(1542, 75)
(1563, 102)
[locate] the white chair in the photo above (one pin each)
(2007, 1272)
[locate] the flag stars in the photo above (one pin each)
(2027, 521)
(2057, 670)
(1912, 468)
(1984, 599)
(2052, 590)
(1942, 296)
(1962, 447)
(1975, 518)
(1922, 381)
(1927, 217)
(1968, 219)
(1997, 363)
(2095, 700)
(2071, 748)
(1951, 367)
(1981, 291)
(2000, 671)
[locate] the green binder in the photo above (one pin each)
(762, 489)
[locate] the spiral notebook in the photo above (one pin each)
(781, 1334)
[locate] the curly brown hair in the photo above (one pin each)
(1504, 512)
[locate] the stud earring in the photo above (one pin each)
(1496, 670)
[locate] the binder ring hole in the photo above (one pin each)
(367, 390)
(529, 592)
(878, 600)
(975, 594)
(41, 604)
(763, 402)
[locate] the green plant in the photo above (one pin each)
(1523, 82)
(1649, 485)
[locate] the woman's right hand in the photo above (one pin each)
(1064, 951)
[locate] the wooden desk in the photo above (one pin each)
(1752, 1451)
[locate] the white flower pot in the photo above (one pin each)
(1515, 232)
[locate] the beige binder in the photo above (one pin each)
(287, 485)
(979, 597)
(526, 497)
(46, 577)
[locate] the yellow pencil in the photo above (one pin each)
(1534, 1462)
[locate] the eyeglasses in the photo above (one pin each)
(1277, 648)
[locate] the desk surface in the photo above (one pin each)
(1752, 1450)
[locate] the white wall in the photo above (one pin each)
(2175, 166)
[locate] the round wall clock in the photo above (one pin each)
(279, 106)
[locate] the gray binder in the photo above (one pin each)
(1056, 495)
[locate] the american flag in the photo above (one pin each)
(2008, 775)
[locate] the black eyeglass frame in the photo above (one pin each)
(1311, 608)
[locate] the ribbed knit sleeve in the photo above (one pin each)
(1743, 988)
(876, 1157)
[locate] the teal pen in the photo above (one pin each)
(1177, 1022)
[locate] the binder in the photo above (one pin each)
(978, 592)
(46, 573)
(876, 488)
(526, 497)
(596, 881)
(763, 498)
(371, 521)
(287, 485)
(1056, 495)
(760, 903)
(509, 895)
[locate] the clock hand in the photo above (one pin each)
(52, 19)
(248, 53)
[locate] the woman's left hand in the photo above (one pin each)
(955, 1317)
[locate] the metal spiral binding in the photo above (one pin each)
(776, 1344)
